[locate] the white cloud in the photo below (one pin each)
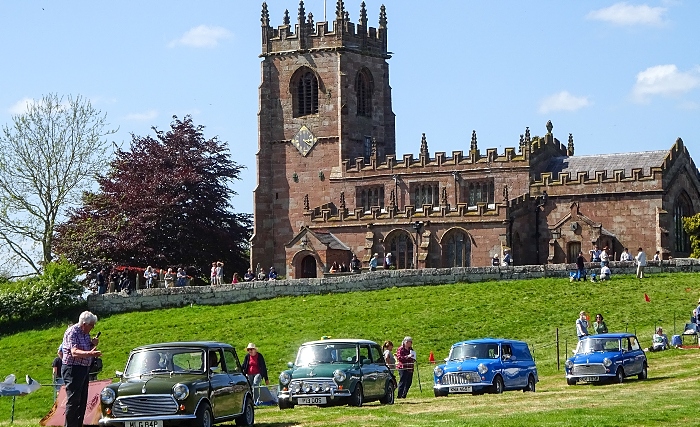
(664, 80)
(21, 106)
(202, 36)
(563, 101)
(142, 117)
(627, 14)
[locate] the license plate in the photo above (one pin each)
(154, 423)
(461, 389)
(311, 401)
(590, 379)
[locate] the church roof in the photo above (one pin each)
(607, 162)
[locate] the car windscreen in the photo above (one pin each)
(474, 351)
(592, 345)
(154, 361)
(315, 354)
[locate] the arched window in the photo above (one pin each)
(458, 250)
(681, 209)
(363, 89)
(307, 94)
(401, 247)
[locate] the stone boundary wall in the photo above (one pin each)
(152, 299)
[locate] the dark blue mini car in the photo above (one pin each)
(486, 365)
(611, 357)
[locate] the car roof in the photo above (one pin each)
(615, 335)
(179, 344)
(341, 341)
(489, 341)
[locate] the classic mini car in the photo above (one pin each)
(606, 357)
(486, 365)
(193, 383)
(336, 371)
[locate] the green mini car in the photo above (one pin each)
(179, 383)
(336, 372)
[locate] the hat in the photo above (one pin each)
(251, 345)
(375, 254)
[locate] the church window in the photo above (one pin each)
(368, 146)
(458, 250)
(426, 193)
(680, 210)
(370, 196)
(479, 192)
(363, 89)
(306, 94)
(401, 247)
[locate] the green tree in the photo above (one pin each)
(50, 154)
(692, 227)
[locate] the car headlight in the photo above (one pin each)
(339, 376)
(438, 371)
(285, 378)
(482, 368)
(607, 362)
(568, 364)
(306, 387)
(107, 396)
(180, 391)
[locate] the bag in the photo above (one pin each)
(96, 365)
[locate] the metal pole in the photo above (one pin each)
(12, 414)
(557, 348)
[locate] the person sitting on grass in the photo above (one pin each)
(659, 341)
(605, 273)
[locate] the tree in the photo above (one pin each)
(692, 227)
(50, 154)
(165, 203)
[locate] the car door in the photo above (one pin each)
(510, 371)
(369, 371)
(223, 400)
(628, 357)
(383, 372)
(637, 354)
(237, 380)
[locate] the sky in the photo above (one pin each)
(619, 76)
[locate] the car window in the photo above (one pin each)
(507, 352)
(164, 360)
(230, 362)
(215, 360)
(634, 344)
(326, 353)
(188, 361)
(364, 353)
(521, 352)
(376, 353)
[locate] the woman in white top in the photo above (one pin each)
(389, 358)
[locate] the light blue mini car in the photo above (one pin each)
(486, 365)
(611, 357)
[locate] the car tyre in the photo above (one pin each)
(619, 376)
(440, 393)
(247, 418)
(571, 381)
(388, 398)
(285, 404)
(497, 387)
(356, 398)
(204, 417)
(530, 384)
(644, 374)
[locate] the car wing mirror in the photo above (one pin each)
(290, 365)
(447, 359)
(119, 374)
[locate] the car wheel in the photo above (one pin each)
(388, 398)
(644, 374)
(356, 398)
(247, 418)
(619, 376)
(204, 418)
(497, 387)
(285, 404)
(530, 384)
(571, 381)
(440, 393)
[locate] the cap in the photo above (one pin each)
(375, 254)
(251, 345)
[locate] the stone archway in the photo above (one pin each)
(308, 267)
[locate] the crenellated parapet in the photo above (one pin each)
(307, 35)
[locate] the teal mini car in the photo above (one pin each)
(336, 372)
(179, 383)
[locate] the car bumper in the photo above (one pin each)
(121, 421)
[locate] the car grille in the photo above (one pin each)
(453, 378)
(319, 385)
(588, 370)
(130, 406)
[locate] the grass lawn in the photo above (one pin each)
(435, 317)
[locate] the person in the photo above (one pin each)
(641, 259)
(387, 261)
(181, 277)
(659, 341)
(151, 362)
(507, 259)
(249, 276)
(334, 267)
(343, 267)
(581, 325)
(57, 364)
(235, 279)
(78, 351)
(169, 278)
(101, 282)
(406, 358)
(212, 274)
(125, 283)
(599, 326)
(696, 313)
(389, 358)
(495, 262)
(261, 274)
(219, 273)
(605, 272)
(580, 267)
(657, 256)
(273, 274)
(373, 262)
(595, 254)
(254, 365)
(148, 277)
(355, 264)
(604, 256)
(626, 256)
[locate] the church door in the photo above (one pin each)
(308, 267)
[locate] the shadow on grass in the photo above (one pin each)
(285, 424)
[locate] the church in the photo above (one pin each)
(331, 185)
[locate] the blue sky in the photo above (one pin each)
(620, 76)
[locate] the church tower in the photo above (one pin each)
(325, 100)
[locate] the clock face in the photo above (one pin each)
(304, 140)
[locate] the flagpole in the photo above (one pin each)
(324, 11)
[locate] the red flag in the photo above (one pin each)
(646, 297)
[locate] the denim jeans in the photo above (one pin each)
(405, 381)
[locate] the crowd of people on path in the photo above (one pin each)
(603, 256)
